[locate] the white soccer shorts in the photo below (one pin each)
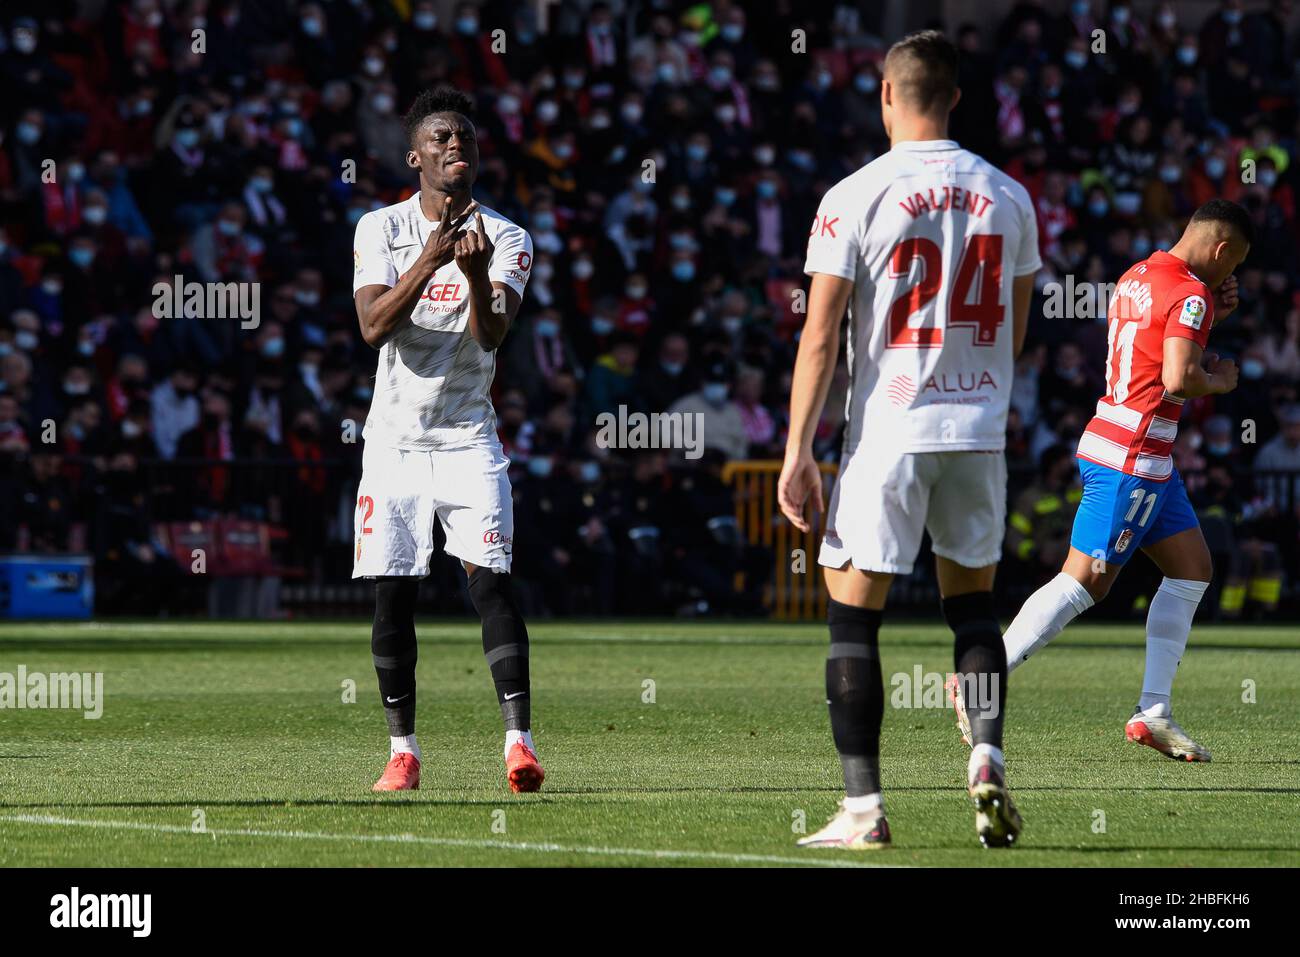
(882, 503)
(403, 491)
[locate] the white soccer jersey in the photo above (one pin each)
(432, 382)
(931, 236)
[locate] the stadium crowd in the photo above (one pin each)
(666, 158)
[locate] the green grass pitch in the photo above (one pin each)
(243, 730)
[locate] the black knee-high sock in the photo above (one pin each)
(980, 659)
(392, 645)
(505, 644)
(855, 693)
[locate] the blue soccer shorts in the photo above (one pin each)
(1120, 513)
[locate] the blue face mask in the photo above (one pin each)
(187, 139)
(1076, 58)
(1215, 167)
(725, 196)
(28, 133)
(732, 32)
(547, 328)
(601, 327)
(545, 222)
(672, 368)
(262, 185)
(1099, 207)
(715, 393)
(82, 257)
(227, 227)
(697, 153)
(589, 472)
(355, 213)
(684, 271)
(539, 467)
(866, 83)
(766, 188)
(1186, 55)
(273, 348)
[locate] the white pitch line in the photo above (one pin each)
(548, 848)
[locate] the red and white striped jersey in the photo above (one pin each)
(1137, 420)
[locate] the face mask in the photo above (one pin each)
(373, 66)
(187, 139)
(25, 42)
(382, 103)
(548, 328)
(1267, 177)
(95, 215)
(866, 82)
(143, 107)
(635, 292)
(801, 160)
(28, 133)
(545, 222)
(1215, 167)
(681, 202)
(589, 472)
(732, 32)
(726, 114)
(273, 348)
(306, 297)
(81, 257)
(547, 111)
(130, 429)
(76, 172)
(227, 227)
(1252, 369)
(631, 112)
(583, 269)
(732, 324)
(424, 20)
(363, 393)
(720, 75)
(764, 156)
(355, 213)
(312, 27)
(539, 467)
(1120, 15)
(1080, 8)
(1099, 207)
(672, 368)
(715, 393)
(467, 26)
(680, 241)
(26, 340)
(684, 271)
(1141, 247)
(824, 80)
(1186, 55)
(1077, 59)
(544, 272)
(766, 188)
(697, 153)
(724, 196)
(51, 287)
(667, 72)
(601, 327)
(76, 388)
(509, 105)
(1232, 17)
(1219, 448)
(573, 80)
(86, 348)
(1170, 174)
(1168, 19)
(562, 150)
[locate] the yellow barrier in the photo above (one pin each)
(796, 591)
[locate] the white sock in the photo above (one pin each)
(1169, 622)
(1042, 617)
(865, 803)
(525, 736)
(980, 754)
(404, 743)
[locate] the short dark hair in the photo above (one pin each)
(922, 68)
(1228, 213)
(443, 99)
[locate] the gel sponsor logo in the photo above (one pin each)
(441, 292)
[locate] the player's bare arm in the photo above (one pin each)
(819, 347)
(1022, 292)
(492, 305)
(1189, 373)
(382, 309)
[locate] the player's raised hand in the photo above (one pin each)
(440, 247)
(800, 479)
(1223, 371)
(1225, 299)
(474, 250)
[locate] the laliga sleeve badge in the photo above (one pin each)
(1121, 543)
(1193, 312)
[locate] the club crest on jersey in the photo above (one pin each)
(1193, 312)
(1121, 543)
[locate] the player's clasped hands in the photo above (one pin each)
(440, 248)
(1224, 372)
